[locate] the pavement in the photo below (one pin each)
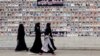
(9, 42)
(67, 46)
(57, 52)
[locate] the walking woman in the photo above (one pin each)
(48, 45)
(36, 48)
(21, 45)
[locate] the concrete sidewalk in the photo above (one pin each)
(58, 53)
(10, 42)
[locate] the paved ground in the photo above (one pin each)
(58, 53)
(87, 43)
(60, 42)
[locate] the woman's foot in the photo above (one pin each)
(53, 53)
(40, 53)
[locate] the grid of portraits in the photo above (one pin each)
(74, 18)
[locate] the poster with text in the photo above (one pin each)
(50, 2)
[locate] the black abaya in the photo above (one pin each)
(49, 32)
(51, 40)
(21, 45)
(36, 48)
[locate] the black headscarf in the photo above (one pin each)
(37, 26)
(21, 31)
(48, 29)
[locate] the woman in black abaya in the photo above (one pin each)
(36, 48)
(48, 45)
(21, 45)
